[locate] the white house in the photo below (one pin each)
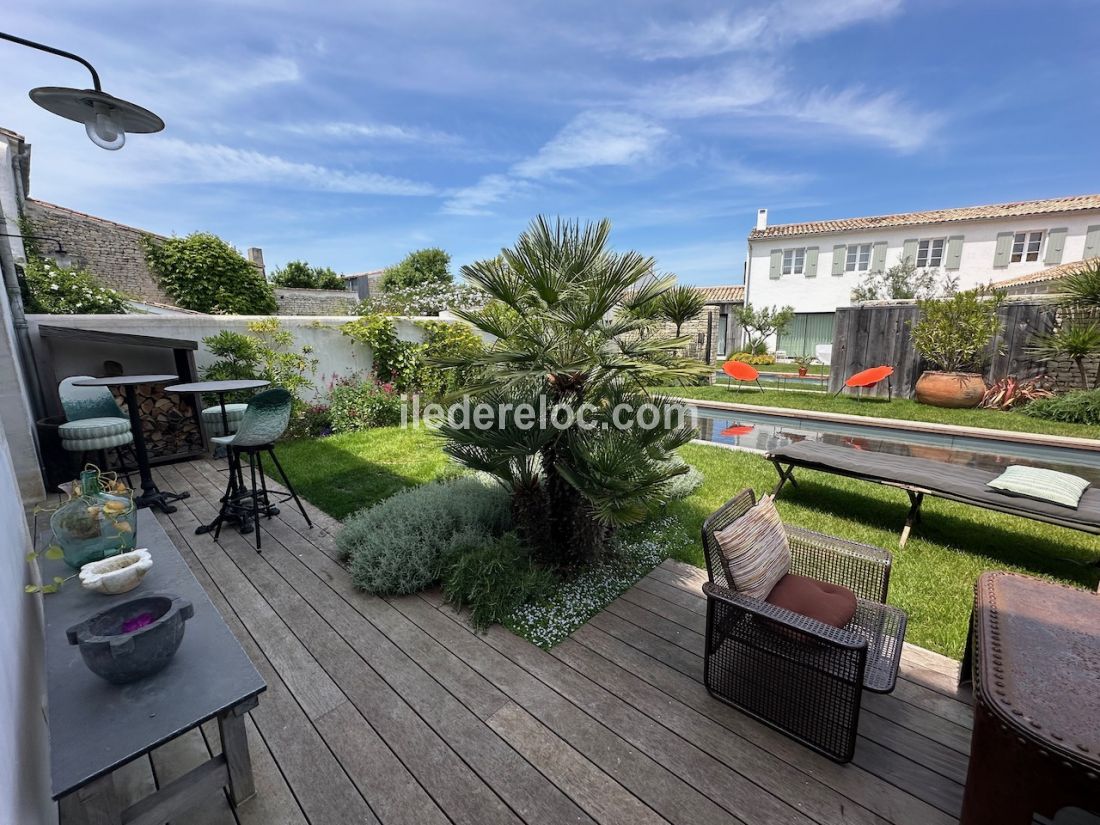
(814, 266)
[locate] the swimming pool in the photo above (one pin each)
(763, 431)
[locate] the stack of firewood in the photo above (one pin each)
(168, 421)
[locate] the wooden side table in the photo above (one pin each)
(1034, 652)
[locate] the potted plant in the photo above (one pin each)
(953, 334)
(804, 363)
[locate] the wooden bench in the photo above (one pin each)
(97, 727)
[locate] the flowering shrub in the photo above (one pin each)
(429, 298)
(355, 404)
(394, 360)
(313, 421)
(549, 620)
(53, 289)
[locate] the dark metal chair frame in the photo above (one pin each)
(796, 674)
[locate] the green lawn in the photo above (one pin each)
(347, 472)
(900, 408)
(933, 576)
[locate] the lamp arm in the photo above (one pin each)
(44, 48)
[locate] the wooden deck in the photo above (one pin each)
(394, 711)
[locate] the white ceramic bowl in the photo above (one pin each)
(117, 574)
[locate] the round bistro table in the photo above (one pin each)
(236, 481)
(150, 496)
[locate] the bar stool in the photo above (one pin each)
(265, 419)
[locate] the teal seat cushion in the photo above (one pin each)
(85, 428)
(1041, 484)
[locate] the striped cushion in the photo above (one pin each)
(93, 428)
(233, 412)
(755, 551)
(102, 442)
(1040, 484)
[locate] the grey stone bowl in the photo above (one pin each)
(133, 639)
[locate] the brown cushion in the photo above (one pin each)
(754, 550)
(829, 603)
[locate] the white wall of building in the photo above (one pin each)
(24, 768)
(825, 292)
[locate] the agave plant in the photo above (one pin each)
(563, 341)
(1011, 393)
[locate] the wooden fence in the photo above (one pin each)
(873, 335)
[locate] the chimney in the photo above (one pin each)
(256, 258)
(761, 219)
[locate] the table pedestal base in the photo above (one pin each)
(154, 497)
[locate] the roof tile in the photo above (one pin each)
(966, 213)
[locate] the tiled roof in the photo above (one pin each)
(1050, 274)
(731, 294)
(366, 274)
(966, 213)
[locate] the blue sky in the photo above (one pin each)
(348, 133)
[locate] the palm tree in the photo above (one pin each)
(1077, 335)
(680, 305)
(562, 344)
(1074, 339)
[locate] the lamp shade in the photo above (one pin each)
(81, 105)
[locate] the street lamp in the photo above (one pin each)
(106, 118)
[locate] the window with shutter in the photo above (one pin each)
(1026, 246)
(1092, 242)
(930, 253)
(858, 258)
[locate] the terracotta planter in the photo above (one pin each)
(802, 371)
(950, 389)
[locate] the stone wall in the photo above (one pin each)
(111, 251)
(315, 301)
(703, 331)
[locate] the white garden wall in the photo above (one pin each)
(337, 354)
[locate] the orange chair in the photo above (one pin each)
(742, 372)
(868, 378)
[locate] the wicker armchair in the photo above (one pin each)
(801, 676)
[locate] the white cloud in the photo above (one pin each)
(171, 161)
(342, 130)
(884, 118)
(595, 139)
(713, 91)
(475, 200)
(591, 139)
(775, 26)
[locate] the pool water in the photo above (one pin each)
(761, 432)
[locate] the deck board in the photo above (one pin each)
(396, 711)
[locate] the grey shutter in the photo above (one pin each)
(954, 252)
(878, 256)
(1056, 245)
(811, 262)
(840, 256)
(1003, 251)
(909, 250)
(1092, 242)
(777, 263)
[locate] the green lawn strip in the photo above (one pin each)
(933, 576)
(899, 408)
(347, 472)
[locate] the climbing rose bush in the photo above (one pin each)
(52, 289)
